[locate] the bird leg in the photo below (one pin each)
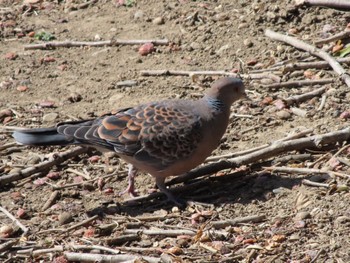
(160, 181)
(132, 172)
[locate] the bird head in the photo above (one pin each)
(227, 90)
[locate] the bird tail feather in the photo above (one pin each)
(42, 137)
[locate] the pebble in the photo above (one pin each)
(223, 49)
(283, 115)
(6, 231)
(302, 215)
(248, 43)
(65, 218)
(158, 21)
(50, 117)
(74, 97)
(138, 15)
(34, 159)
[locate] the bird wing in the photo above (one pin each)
(155, 133)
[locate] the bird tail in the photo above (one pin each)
(42, 137)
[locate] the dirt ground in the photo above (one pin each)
(299, 223)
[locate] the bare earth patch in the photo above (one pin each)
(293, 206)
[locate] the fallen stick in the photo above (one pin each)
(161, 232)
(8, 244)
(86, 257)
(316, 184)
(298, 83)
(148, 73)
(287, 138)
(238, 220)
(333, 38)
(17, 222)
(302, 65)
(313, 51)
(337, 4)
(305, 171)
(304, 97)
(270, 151)
(59, 158)
(111, 43)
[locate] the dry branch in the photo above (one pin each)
(302, 65)
(337, 4)
(305, 171)
(17, 222)
(238, 220)
(304, 97)
(59, 158)
(111, 43)
(298, 83)
(287, 138)
(161, 232)
(313, 51)
(85, 257)
(335, 37)
(272, 150)
(166, 72)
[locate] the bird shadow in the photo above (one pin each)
(209, 191)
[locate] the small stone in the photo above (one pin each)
(223, 49)
(302, 215)
(22, 88)
(47, 104)
(50, 117)
(33, 159)
(248, 43)
(6, 231)
(283, 115)
(158, 21)
(138, 15)
(65, 218)
(74, 97)
(146, 49)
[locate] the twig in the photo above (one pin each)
(312, 50)
(82, 223)
(338, 4)
(116, 42)
(299, 83)
(302, 65)
(316, 184)
(166, 72)
(53, 197)
(270, 151)
(85, 257)
(7, 145)
(18, 223)
(86, 176)
(305, 171)
(5, 246)
(66, 230)
(287, 138)
(304, 97)
(95, 247)
(335, 37)
(238, 220)
(323, 102)
(161, 232)
(61, 157)
(122, 239)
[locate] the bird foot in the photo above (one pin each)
(129, 190)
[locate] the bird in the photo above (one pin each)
(163, 138)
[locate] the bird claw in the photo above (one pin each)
(129, 190)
